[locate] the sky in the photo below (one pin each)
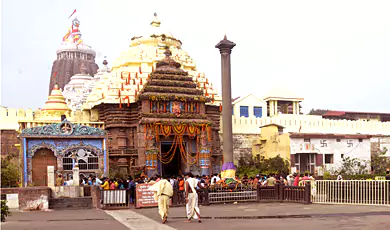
(334, 53)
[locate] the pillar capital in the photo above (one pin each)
(225, 46)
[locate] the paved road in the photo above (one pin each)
(244, 216)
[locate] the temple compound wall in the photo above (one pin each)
(310, 124)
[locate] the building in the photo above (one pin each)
(312, 152)
(71, 55)
(317, 152)
(356, 116)
(272, 142)
(62, 145)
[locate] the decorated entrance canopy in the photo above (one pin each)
(62, 145)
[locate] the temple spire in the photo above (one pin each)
(155, 22)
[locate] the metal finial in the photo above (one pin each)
(155, 14)
(225, 37)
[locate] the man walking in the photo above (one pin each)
(163, 191)
(192, 198)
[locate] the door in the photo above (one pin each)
(41, 159)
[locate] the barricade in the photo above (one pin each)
(358, 192)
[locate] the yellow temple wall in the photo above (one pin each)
(309, 124)
(17, 119)
(9, 118)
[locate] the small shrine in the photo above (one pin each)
(62, 145)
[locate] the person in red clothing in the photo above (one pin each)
(296, 180)
(181, 190)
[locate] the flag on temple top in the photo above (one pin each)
(72, 13)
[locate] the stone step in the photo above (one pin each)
(70, 203)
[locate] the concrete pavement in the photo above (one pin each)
(223, 216)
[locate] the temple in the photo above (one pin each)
(71, 55)
(152, 111)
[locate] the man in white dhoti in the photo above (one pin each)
(192, 197)
(163, 191)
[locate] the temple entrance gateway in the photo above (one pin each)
(173, 165)
(41, 159)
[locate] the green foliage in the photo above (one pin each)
(328, 176)
(4, 210)
(379, 164)
(9, 171)
(352, 166)
(275, 165)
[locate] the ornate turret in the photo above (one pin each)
(72, 54)
(55, 107)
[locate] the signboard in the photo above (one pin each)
(144, 197)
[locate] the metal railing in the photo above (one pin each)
(359, 192)
(114, 198)
(282, 193)
(232, 193)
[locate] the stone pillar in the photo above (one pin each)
(294, 107)
(276, 107)
(271, 108)
(298, 109)
(225, 48)
(50, 176)
(76, 176)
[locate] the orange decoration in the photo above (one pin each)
(148, 76)
(220, 107)
(152, 68)
(120, 102)
(136, 75)
(128, 77)
(121, 75)
(140, 70)
(136, 93)
(133, 81)
(119, 93)
(207, 93)
(140, 80)
(122, 88)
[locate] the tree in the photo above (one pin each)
(274, 165)
(379, 163)
(319, 112)
(9, 171)
(353, 166)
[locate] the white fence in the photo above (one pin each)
(114, 197)
(358, 192)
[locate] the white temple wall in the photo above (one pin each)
(310, 124)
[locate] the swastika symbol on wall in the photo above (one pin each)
(323, 143)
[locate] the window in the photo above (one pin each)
(360, 140)
(328, 158)
(338, 140)
(257, 111)
(306, 140)
(87, 159)
(244, 111)
(342, 156)
(232, 110)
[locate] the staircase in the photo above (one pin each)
(70, 203)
